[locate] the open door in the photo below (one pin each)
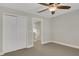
(36, 29)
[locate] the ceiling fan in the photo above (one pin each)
(53, 7)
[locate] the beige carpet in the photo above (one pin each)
(50, 49)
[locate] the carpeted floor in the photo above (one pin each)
(50, 49)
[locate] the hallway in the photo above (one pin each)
(50, 49)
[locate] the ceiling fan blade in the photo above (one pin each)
(51, 3)
(42, 10)
(52, 12)
(64, 7)
(58, 3)
(43, 4)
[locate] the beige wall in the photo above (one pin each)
(65, 28)
(0, 33)
(46, 26)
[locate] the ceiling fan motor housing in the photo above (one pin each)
(52, 12)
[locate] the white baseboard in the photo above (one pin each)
(65, 44)
(46, 42)
(1, 53)
(29, 46)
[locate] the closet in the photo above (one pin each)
(14, 32)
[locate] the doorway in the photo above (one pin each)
(36, 28)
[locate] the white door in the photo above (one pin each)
(21, 31)
(9, 33)
(14, 33)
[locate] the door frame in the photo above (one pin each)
(41, 30)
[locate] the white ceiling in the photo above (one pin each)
(34, 8)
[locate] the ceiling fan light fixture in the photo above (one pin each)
(52, 8)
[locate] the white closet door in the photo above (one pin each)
(21, 31)
(9, 33)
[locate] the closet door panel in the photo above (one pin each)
(21, 31)
(9, 33)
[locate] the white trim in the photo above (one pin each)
(1, 53)
(45, 42)
(41, 20)
(42, 31)
(29, 46)
(65, 44)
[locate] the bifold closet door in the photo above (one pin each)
(14, 33)
(21, 32)
(9, 33)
